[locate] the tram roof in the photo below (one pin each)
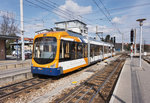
(83, 38)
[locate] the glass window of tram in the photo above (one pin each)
(66, 52)
(45, 49)
(105, 49)
(72, 51)
(86, 50)
(80, 51)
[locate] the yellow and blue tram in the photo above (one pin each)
(60, 52)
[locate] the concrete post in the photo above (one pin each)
(135, 41)
(22, 29)
(140, 45)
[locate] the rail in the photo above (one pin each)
(147, 59)
(10, 90)
(88, 90)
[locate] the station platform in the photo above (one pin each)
(12, 71)
(133, 85)
(9, 76)
(14, 64)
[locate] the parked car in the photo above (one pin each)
(16, 53)
(28, 54)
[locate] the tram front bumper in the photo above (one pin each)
(46, 71)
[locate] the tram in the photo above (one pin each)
(59, 52)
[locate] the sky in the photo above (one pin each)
(113, 17)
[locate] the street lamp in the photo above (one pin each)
(141, 24)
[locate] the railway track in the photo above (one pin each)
(147, 59)
(14, 89)
(96, 89)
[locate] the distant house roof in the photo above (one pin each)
(27, 39)
(70, 21)
(9, 37)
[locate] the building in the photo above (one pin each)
(127, 47)
(3, 39)
(118, 46)
(145, 47)
(73, 25)
(28, 44)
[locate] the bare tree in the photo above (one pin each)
(8, 26)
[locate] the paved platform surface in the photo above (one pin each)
(11, 72)
(14, 64)
(8, 76)
(12, 61)
(133, 86)
(5, 62)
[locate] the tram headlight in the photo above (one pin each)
(53, 66)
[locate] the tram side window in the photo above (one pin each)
(68, 51)
(105, 49)
(97, 52)
(80, 50)
(101, 49)
(113, 49)
(64, 51)
(92, 50)
(85, 50)
(72, 50)
(61, 55)
(109, 49)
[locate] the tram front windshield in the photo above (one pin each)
(44, 49)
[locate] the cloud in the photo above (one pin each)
(101, 28)
(72, 9)
(38, 22)
(117, 20)
(146, 23)
(111, 31)
(30, 29)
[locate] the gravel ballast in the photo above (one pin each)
(51, 91)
